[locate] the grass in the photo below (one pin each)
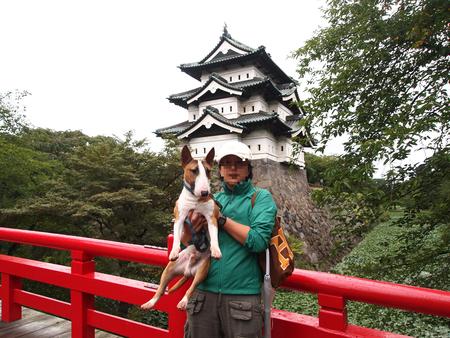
(385, 254)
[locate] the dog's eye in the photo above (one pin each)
(195, 171)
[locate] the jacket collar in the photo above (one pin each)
(244, 188)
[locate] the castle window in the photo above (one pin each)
(282, 148)
(231, 78)
(259, 147)
(221, 109)
(204, 150)
(231, 108)
(196, 150)
(194, 116)
(248, 75)
(249, 147)
(239, 77)
(244, 109)
(253, 108)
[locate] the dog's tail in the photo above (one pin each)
(178, 284)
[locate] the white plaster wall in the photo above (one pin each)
(193, 112)
(200, 146)
(279, 108)
(269, 147)
(223, 105)
(256, 101)
(234, 73)
(262, 144)
(300, 158)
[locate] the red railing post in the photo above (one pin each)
(11, 311)
(332, 313)
(82, 264)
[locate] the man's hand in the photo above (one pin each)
(198, 222)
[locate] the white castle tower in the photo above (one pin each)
(242, 95)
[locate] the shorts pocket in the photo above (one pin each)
(195, 303)
(240, 310)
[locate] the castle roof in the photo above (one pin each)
(236, 53)
(217, 87)
(242, 124)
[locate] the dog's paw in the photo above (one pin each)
(174, 254)
(149, 304)
(215, 253)
(182, 304)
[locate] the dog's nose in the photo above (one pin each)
(204, 193)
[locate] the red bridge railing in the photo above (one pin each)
(85, 283)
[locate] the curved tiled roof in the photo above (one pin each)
(183, 95)
(227, 37)
(259, 55)
(219, 60)
(243, 122)
(174, 129)
(254, 118)
(214, 112)
(282, 90)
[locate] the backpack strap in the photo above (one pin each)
(254, 197)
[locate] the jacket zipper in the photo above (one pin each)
(221, 262)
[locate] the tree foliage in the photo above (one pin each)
(378, 74)
(98, 187)
(22, 172)
(316, 168)
(12, 118)
(109, 188)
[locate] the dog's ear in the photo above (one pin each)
(210, 157)
(186, 156)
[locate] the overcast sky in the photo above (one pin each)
(107, 67)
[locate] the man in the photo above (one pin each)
(228, 302)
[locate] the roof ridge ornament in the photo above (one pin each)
(225, 33)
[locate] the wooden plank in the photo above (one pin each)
(21, 331)
(34, 317)
(35, 324)
(103, 334)
(51, 328)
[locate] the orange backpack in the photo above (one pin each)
(280, 253)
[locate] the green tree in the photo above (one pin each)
(108, 188)
(23, 172)
(378, 75)
(316, 167)
(12, 119)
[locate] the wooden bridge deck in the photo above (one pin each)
(35, 324)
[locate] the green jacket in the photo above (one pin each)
(238, 272)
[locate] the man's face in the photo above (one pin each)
(233, 170)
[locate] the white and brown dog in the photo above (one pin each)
(196, 196)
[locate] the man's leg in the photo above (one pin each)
(202, 316)
(241, 316)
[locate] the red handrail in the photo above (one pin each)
(90, 246)
(429, 301)
(333, 291)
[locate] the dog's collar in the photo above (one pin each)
(188, 187)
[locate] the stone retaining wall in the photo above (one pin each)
(301, 218)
